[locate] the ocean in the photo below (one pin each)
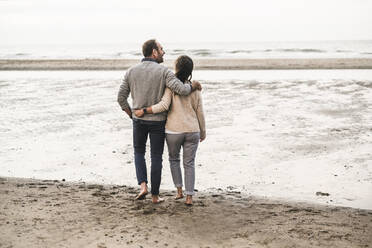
(305, 49)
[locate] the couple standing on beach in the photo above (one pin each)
(155, 90)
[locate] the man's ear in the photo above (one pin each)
(154, 52)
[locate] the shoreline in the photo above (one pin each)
(54, 213)
(200, 64)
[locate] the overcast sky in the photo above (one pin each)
(116, 21)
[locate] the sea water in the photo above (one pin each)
(273, 133)
(299, 49)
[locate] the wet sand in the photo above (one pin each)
(200, 64)
(52, 213)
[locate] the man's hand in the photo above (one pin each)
(201, 139)
(195, 85)
(129, 112)
(139, 112)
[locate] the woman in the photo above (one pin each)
(185, 127)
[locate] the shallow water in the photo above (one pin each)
(281, 134)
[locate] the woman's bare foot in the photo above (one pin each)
(179, 193)
(188, 200)
(156, 199)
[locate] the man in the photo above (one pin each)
(146, 83)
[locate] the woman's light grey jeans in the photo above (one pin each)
(189, 142)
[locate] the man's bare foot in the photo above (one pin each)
(143, 192)
(179, 193)
(156, 199)
(142, 195)
(188, 200)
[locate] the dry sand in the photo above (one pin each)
(35, 213)
(200, 64)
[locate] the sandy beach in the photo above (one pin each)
(56, 213)
(200, 64)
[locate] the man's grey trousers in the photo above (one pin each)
(189, 142)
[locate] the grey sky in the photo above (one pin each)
(114, 21)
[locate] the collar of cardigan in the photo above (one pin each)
(149, 59)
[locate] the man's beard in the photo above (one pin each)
(160, 60)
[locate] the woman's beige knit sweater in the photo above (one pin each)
(185, 112)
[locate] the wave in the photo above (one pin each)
(202, 52)
(305, 50)
(22, 54)
(240, 51)
(367, 84)
(343, 51)
(222, 52)
(214, 52)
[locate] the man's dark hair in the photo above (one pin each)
(148, 46)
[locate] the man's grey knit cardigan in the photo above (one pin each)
(146, 83)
